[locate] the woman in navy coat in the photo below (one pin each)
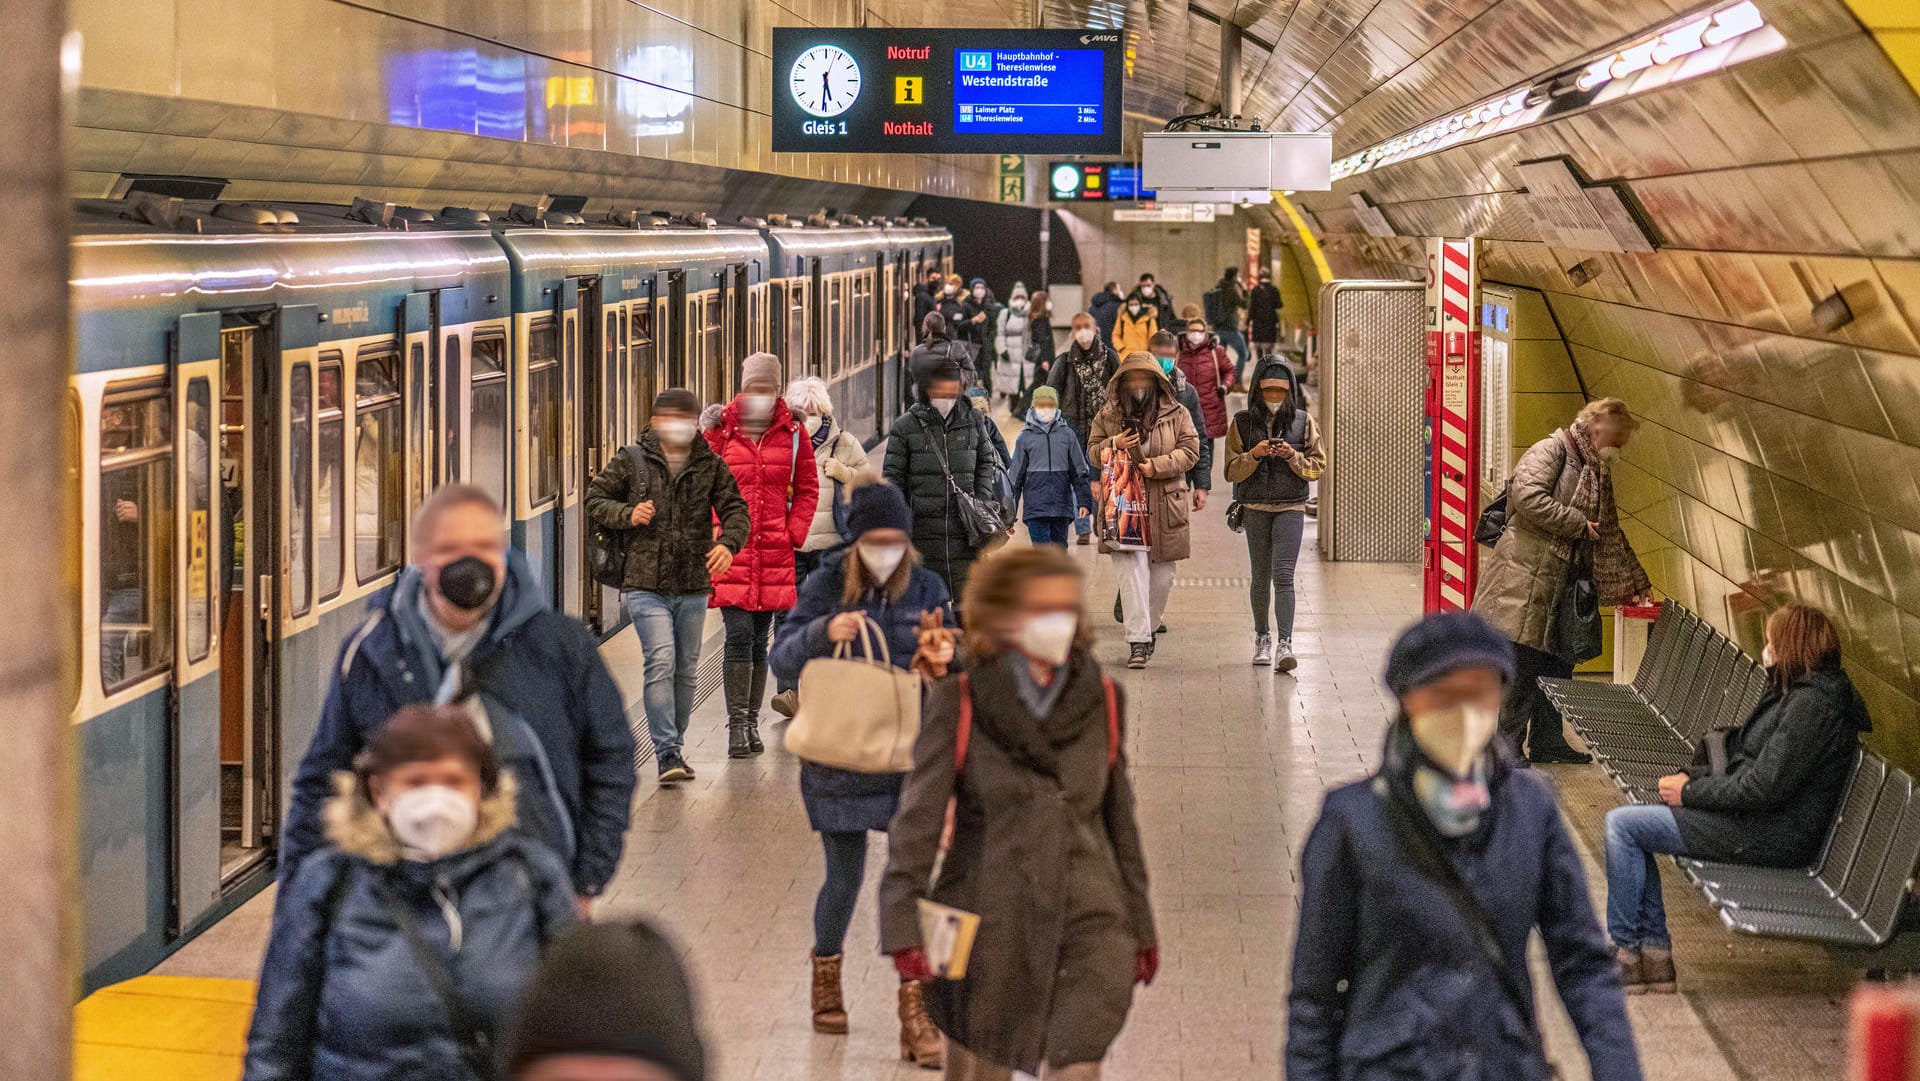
(1391, 980)
(877, 577)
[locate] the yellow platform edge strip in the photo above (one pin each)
(163, 1028)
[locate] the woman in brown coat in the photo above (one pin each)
(1143, 423)
(1560, 495)
(1045, 848)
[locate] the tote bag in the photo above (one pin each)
(859, 714)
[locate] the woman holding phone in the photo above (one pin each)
(1273, 452)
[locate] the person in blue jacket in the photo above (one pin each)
(1421, 884)
(1051, 476)
(877, 577)
(467, 622)
(400, 949)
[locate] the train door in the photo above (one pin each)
(423, 380)
(581, 334)
(609, 411)
(882, 343)
(818, 349)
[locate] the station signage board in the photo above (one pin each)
(946, 91)
(1096, 181)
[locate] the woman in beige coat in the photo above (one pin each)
(1144, 424)
(1560, 496)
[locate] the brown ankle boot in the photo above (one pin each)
(920, 1043)
(1633, 978)
(1656, 968)
(829, 1009)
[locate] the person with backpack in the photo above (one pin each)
(467, 622)
(1105, 308)
(400, 947)
(1273, 452)
(767, 449)
(658, 500)
(1421, 885)
(1025, 751)
(1263, 315)
(1226, 312)
(878, 579)
(1051, 477)
(940, 347)
(937, 450)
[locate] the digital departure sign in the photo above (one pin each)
(943, 91)
(1080, 182)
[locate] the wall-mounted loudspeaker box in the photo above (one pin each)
(1198, 160)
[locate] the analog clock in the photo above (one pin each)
(825, 80)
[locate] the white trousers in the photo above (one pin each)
(1144, 588)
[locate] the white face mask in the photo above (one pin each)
(1045, 415)
(431, 821)
(1146, 290)
(1766, 656)
(1454, 738)
(1196, 336)
(943, 406)
(979, 292)
(674, 433)
(1609, 455)
(1049, 638)
(757, 406)
(1084, 336)
(882, 560)
(1133, 309)
(813, 424)
(946, 290)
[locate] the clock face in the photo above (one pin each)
(825, 80)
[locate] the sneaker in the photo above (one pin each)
(673, 770)
(1283, 658)
(1263, 649)
(787, 703)
(1137, 654)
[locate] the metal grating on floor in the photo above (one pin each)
(1213, 583)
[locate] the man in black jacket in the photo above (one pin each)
(467, 622)
(1263, 316)
(926, 297)
(939, 436)
(1105, 308)
(1151, 293)
(660, 498)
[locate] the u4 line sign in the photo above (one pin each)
(940, 91)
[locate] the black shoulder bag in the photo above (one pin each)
(472, 1037)
(1492, 523)
(608, 550)
(1428, 857)
(978, 517)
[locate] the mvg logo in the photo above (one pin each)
(1089, 39)
(976, 61)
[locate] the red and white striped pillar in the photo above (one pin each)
(1453, 411)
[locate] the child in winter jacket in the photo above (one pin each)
(1051, 475)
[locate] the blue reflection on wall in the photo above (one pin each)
(461, 90)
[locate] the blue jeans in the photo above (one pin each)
(1636, 915)
(1083, 524)
(669, 626)
(1236, 344)
(1048, 530)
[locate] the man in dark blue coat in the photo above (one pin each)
(1421, 884)
(467, 622)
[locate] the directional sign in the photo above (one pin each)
(1013, 189)
(1013, 163)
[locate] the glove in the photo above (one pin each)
(911, 964)
(1146, 964)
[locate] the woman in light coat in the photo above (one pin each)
(1011, 342)
(837, 457)
(1143, 421)
(1560, 496)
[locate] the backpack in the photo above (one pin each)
(1215, 304)
(607, 548)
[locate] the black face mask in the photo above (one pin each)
(467, 583)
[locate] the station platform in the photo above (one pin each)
(1229, 764)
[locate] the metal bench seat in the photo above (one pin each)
(1837, 854)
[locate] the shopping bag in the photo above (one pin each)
(1125, 522)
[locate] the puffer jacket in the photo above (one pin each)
(935, 352)
(1209, 367)
(1080, 375)
(669, 553)
(1132, 332)
(839, 799)
(342, 997)
(836, 458)
(1170, 449)
(781, 494)
(1200, 477)
(913, 466)
(1050, 470)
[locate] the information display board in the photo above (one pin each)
(1079, 182)
(946, 91)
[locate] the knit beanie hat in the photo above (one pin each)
(613, 990)
(1443, 643)
(877, 506)
(1045, 393)
(760, 367)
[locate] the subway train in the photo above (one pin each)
(263, 395)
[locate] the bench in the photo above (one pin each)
(1694, 680)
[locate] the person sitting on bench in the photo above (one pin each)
(1770, 805)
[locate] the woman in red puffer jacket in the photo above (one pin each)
(772, 460)
(1209, 367)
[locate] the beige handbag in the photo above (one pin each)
(857, 714)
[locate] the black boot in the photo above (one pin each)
(758, 689)
(737, 679)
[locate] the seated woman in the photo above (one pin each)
(1772, 807)
(401, 948)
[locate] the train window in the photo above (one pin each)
(543, 416)
(713, 347)
(756, 319)
(836, 328)
(611, 392)
(70, 562)
(136, 533)
(488, 399)
(797, 359)
(379, 465)
(299, 487)
(201, 519)
(330, 494)
(647, 375)
(450, 409)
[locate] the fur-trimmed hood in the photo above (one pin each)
(356, 828)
